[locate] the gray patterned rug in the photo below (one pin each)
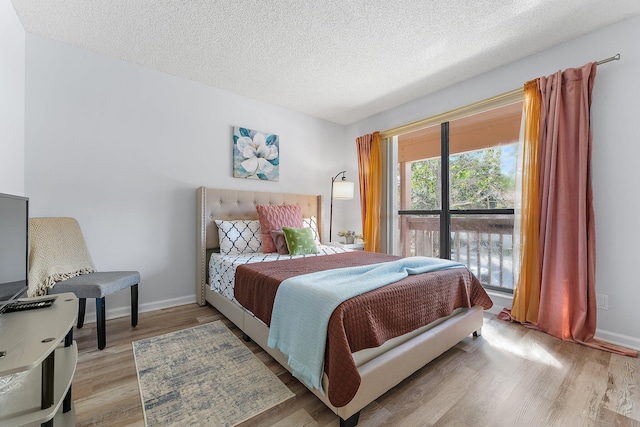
(203, 376)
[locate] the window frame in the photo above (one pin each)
(444, 213)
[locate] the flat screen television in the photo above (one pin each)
(14, 248)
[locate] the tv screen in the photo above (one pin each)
(14, 247)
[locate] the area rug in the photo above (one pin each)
(203, 376)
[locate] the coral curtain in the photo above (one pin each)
(370, 174)
(563, 270)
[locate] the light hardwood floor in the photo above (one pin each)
(511, 376)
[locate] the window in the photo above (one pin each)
(457, 178)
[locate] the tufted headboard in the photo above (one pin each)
(214, 203)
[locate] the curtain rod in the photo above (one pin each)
(615, 57)
(514, 95)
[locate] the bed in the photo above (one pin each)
(379, 369)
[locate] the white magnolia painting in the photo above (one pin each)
(256, 154)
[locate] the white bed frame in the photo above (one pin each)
(379, 374)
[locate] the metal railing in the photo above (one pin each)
(483, 242)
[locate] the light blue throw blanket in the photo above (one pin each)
(304, 304)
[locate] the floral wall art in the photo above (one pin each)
(256, 155)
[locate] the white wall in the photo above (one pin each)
(123, 149)
(615, 111)
(12, 56)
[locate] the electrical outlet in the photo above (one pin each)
(602, 301)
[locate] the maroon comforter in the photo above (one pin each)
(365, 321)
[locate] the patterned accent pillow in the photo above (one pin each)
(280, 242)
(274, 217)
(312, 223)
(239, 237)
(300, 241)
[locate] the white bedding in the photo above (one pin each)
(222, 268)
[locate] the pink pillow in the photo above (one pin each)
(274, 217)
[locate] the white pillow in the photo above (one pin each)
(239, 237)
(312, 223)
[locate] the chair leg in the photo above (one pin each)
(134, 305)
(101, 323)
(82, 305)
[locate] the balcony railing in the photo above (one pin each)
(483, 242)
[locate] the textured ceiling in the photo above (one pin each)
(340, 60)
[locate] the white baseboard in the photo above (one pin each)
(618, 339)
(500, 300)
(113, 313)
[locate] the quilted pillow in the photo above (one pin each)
(300, 241)
(274, 217)
(239, 237)
(312, 223)
(280, 242)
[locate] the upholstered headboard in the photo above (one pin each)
(214, 203)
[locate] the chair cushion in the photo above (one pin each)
(97, 285)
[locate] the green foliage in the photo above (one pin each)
(425, 185)
(477, 182)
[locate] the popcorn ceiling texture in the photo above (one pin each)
(339, 60)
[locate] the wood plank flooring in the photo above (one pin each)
(511, 376)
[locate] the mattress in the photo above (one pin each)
(222, 270)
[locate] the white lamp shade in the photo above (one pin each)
(343, 190)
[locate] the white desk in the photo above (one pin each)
(38, 346)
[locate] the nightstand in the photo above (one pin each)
(351, 246)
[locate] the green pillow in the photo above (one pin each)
(300, 241)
